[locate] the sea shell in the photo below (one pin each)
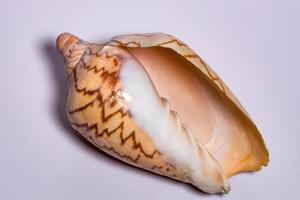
(150, 101)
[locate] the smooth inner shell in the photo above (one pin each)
(213, 119)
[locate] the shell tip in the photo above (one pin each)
(64, 41)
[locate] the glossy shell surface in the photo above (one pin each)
(116, 105)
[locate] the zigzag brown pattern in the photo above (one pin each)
(134, 160)
(168, 166)
(104, 117)
(127, 43)
(172, 41)
(136, 145)
(103, 73)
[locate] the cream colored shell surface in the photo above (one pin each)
(97, 108)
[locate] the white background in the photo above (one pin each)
(253, 45)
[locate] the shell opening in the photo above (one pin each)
(214, 121)
(173, 139)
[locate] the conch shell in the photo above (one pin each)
(150, 101)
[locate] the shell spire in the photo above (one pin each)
(65, 41)
(71, 48)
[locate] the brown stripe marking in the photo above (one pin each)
(215, 79)
(136, 145)
(126, 43)
(171, 41)
(135, 160)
